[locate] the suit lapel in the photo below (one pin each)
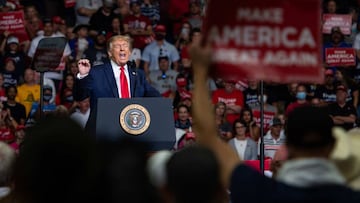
(132, 76)
(109, 74)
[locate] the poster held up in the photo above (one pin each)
(270, 40)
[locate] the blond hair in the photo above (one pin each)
(114, 38)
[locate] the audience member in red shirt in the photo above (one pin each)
(138, 26)
(233, 99)
(300, 99)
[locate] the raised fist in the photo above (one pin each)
(84, 66)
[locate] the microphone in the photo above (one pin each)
(133, 68)
(132, 65)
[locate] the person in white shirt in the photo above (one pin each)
(245, 147)
(82, 113)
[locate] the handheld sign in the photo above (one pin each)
(270, 40)
(14, 23)
(336, 20)
(340, 56)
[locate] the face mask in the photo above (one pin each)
(69, 99)
(264, 98)
(185, 31)
(301, 95)
(159, 36)
(47, 97)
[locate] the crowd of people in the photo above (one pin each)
(161, 40)
(158, 41)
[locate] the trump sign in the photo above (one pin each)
(271, 40)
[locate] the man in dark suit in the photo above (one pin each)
(117, 78)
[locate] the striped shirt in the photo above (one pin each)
(152, 11)
(271, 145)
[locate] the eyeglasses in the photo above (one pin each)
(240, 126)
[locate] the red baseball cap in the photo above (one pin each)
(20, 127)
(160, 28)
(58, 20)
(329, 72)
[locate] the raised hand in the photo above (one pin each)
(84, 66)
(201, 55)
(203, 113)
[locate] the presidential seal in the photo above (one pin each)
(135, 119)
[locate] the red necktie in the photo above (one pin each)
(124, 84)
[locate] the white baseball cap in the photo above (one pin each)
(12, 39)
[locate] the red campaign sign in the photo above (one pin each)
(333, 20)
(14, 23)
(268, 116)
(340, 56)
(69, 3)
(271, 40)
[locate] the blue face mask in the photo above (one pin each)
(69, 98)
(47, 97)
(301, 95)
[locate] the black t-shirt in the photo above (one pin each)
(10, 78)
(17, 111)
(251, 97)
(325, 94)
(99, 21)
(96, 56)
(20, 61)
(347, 110)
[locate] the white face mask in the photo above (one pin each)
(264, 98)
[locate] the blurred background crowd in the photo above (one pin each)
(162, 32)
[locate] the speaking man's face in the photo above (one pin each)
(120, 52)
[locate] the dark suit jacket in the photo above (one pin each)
(100, 83)
(250, 150)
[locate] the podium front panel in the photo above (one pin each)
(148, 120)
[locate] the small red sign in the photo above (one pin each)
(14, 23)
(268, 116)
(336, 20)
(69, 3)
(340, 56)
